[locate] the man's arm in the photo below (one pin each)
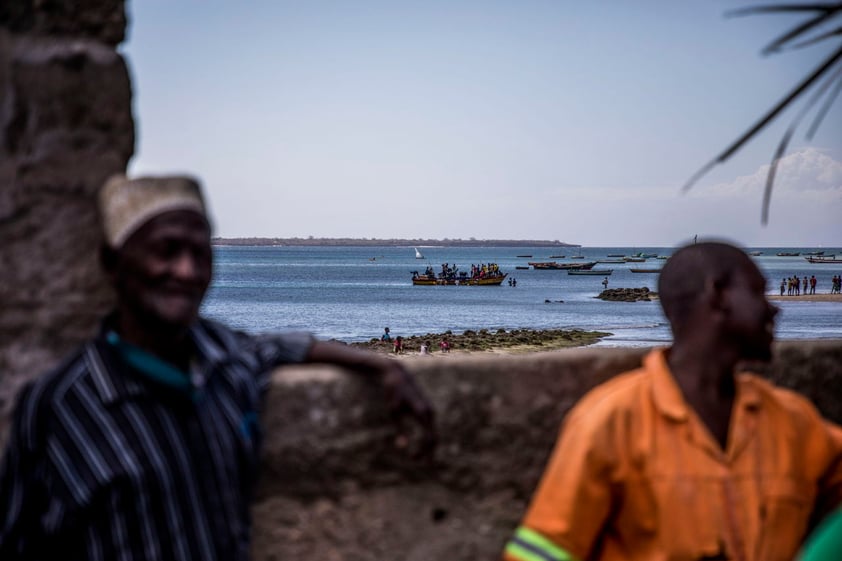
(573, 499)
(22, 496)
(403, 395)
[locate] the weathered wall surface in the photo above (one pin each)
(334, 487)
(65, 126)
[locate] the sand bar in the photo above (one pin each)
(807, 298)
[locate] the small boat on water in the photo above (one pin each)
(634, 259)
(815, 253)
(522, 268)
(755, 253)
(616, 255)
(826, 259)
(788, 254)
(645, 270)
(529, 256)
(597, 272)
(555, 265)
(610, 261)
(556, 256)
(418, 253)
(491, 276)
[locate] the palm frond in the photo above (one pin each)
(768, 118)
(782, 146)
(826, 12)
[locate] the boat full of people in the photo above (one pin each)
(484, 274)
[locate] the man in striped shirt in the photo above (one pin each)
(144, 444)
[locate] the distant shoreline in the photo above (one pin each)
(393, 242)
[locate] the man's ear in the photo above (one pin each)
(715, 295)
(108, 260)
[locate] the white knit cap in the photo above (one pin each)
(127, 204)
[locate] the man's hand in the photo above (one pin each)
(403, 396)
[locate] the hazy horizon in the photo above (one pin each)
(532, 120)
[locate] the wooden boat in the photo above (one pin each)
(556, 256)
(645, 270)
(525, 256)
(815, 253)
(610, 261)
(634, 259)
(555, 265)
(598, 272)
(788, 254)
(458, 280)
(824, 259)
(522, 268)
(616, 255)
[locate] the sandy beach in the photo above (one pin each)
(807, 298)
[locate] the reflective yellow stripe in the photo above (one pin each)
(519, 552)
(538, 541)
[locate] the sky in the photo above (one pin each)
(521, 119)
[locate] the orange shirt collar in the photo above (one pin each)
(668, 397)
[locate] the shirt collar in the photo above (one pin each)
(668, 397)
(110, 376)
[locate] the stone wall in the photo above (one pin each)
(65, 126)
(334, 487)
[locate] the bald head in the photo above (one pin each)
(686, 274)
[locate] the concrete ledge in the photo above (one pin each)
(335, 487)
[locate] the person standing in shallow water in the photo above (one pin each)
(686, 457)
(144, 444)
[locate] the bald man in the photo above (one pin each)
(143, 444)
(684, 458)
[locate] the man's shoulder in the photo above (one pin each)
(782, 400)
(621, 394)
(51, 388)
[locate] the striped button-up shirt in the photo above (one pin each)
(106, 462)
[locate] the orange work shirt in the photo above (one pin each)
(636, 475)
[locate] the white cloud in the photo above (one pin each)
(808, 171)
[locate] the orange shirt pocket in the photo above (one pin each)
(785, 506)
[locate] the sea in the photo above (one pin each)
(351, 293)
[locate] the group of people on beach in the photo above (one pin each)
(836, 284)
(144, 443)
(795, 286)
(398, 347)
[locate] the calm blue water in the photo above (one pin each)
(351, 293)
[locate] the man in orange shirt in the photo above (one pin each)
(684, 458)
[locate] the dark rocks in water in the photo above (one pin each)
(628, 295)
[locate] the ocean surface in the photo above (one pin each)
(352, 293)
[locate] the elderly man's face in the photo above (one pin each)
(163, 270)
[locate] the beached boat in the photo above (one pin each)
(827, 259)
(645, 270)
(598, 272)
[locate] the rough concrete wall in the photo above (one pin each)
(65, 126)
(333, 486)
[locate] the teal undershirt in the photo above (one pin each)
(152, 367)
(825, 544)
